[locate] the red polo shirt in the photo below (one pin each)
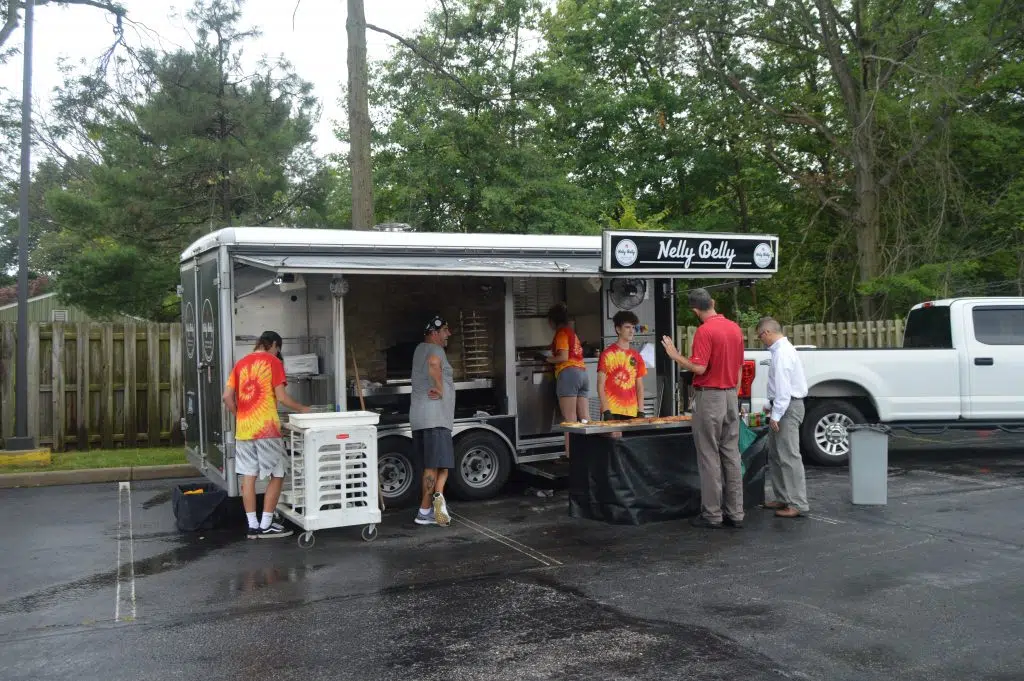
(718, 345)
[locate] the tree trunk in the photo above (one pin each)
(359, 118)
(866, 218)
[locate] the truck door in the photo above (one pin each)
(994, 340)
(211, 385)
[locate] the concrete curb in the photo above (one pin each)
(93, 475)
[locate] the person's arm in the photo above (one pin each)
(436, 391)
(601, 394)
(782, 388)
(640, 396)
(282, 396)
(230, 400)
(701, 350)
(560, 351)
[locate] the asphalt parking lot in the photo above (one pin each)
(99, 585)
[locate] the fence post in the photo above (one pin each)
(57, 355)
(153, 384)
(131, 390)
(899, 333)
(8, 340)
(34, 369)
(84, 378)
(107, 386)
(176, 397)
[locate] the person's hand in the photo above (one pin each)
(774, 425)
(306, 409)
(607, 415)
(434, 394)
(670, 347)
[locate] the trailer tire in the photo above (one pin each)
(398, 471)
(823, 436)
(483, 464)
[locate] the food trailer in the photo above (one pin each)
(353, 303)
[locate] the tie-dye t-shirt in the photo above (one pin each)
(254, 379)
(566, 339)
(621, 368)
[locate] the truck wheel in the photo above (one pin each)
(482, 466)
(823, 435)
(399, 476)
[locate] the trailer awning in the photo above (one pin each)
(429, 263)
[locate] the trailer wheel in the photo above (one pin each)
(398, 473)
(483, 464)
(823, 434)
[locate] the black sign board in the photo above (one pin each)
(689, 254)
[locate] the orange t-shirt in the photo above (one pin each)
(566, 339)
(253, 379)
(621, 369)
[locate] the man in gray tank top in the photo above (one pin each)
(432, 415)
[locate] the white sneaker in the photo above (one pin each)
(425, 518)
(441, 510)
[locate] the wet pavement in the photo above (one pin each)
(100, 585)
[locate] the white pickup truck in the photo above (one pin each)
(961, 365)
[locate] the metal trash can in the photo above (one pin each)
(869, 463)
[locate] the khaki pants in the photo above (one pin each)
(716, 432)
(786, 481)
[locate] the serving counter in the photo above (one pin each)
(648, 474)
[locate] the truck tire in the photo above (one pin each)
(399, 475)
(823, 436)
(483, 464)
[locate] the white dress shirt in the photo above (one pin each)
(786, 379)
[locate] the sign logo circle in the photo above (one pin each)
(208, 326)
(190, 330)
(626, 252)
(763, 255)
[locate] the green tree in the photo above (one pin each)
(459, 145)
(186, 143)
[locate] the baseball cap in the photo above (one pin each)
(436, 323)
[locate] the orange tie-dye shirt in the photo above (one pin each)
(254, 379)
(566, 339)
(621, 369)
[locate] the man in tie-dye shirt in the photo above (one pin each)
(255, 386)
(621, 371)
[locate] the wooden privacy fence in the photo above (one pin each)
(111, 384)
(881, 334)
(100, 384)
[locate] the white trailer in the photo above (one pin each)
(345, 300)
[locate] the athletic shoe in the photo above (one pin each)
(425, 518)
(253, 533)
(275, 531)
(441, 510)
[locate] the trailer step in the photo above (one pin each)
(550, 470)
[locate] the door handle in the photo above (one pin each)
(984, 361)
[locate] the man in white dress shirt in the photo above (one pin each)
(787, 388)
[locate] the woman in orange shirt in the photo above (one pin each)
(571, 383)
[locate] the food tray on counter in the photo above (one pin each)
(652, 423)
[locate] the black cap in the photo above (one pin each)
(436, 323)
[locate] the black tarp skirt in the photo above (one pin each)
(648, 477)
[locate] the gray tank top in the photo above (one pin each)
(423, 411)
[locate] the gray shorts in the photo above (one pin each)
(572, 382)
(434, 447)
(260, 458)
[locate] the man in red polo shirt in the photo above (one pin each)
(716, 362)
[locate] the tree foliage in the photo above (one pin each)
(185, 143)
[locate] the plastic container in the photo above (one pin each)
(342, 419)
(198, 506)
(869, 464)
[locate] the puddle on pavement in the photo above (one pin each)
(192, 550)
(254, 580)
(156, 500)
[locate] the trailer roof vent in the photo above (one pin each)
(393, 227)
(59, 315)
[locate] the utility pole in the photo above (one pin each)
(22, 440)
(359, 118)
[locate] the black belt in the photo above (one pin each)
(703, 387)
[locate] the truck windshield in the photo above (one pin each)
(928, 327)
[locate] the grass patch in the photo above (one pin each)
(105, 458)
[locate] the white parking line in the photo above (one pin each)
(543, 559)
(124, 498)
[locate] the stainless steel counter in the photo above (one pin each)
(406, 388)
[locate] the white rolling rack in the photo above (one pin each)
(331, 473)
